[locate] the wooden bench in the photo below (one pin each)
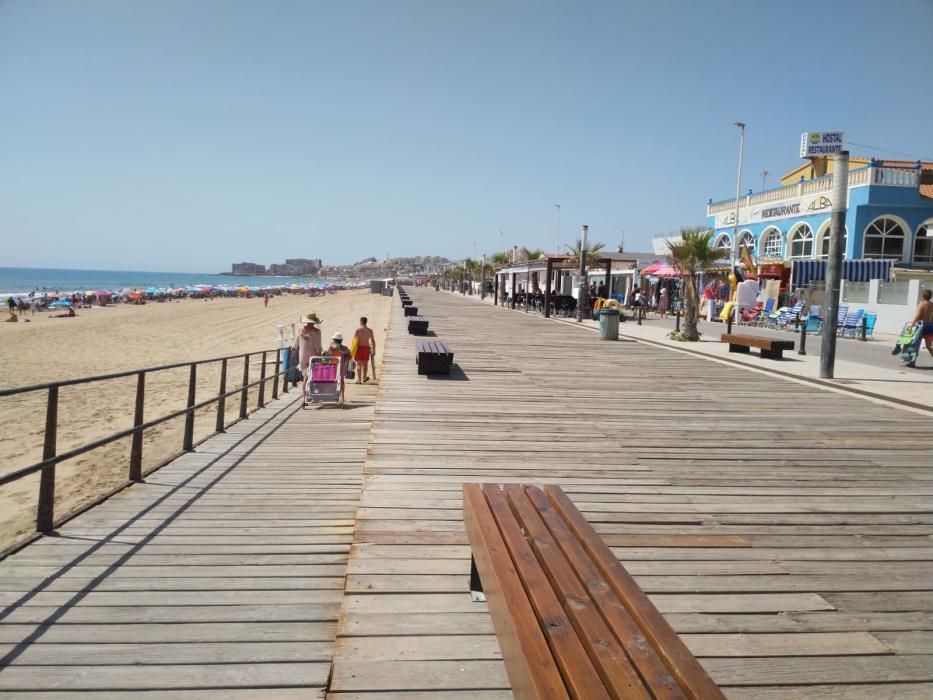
(434, 357)
(407, 302)
(770, 348)
(570, 620)
(411, 310)
(418, 325)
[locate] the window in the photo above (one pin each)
(824, 243)
(747, 240)
(884, 240)
(801, 243)
(771, 244)
(723, 243)
(923, 244)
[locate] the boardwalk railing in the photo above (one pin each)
(45, 512)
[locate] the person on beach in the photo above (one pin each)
(924, 315)
(365, 347)
(308, 342)
(265, 297)
(12, 304)
(342, 352)
(664, 303)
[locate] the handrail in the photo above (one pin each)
(45, 518)
(125, 373)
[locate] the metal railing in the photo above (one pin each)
(45, 511)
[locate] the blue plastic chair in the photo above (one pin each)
(851, 324)
(869, 322)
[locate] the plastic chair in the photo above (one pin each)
(851, 324)
(869, 322)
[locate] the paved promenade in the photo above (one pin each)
(785, 530)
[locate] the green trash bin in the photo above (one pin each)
(608, 324)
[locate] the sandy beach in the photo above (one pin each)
(126, 337)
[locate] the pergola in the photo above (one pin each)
(551, 263)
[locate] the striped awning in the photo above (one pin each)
(806, 271)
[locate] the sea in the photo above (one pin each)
(20, 280)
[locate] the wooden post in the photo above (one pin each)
(189, 416)
(222, 401)
(547, 288)
(243, 413)
(527, 287)
(495, 295)
(275, 379)
(136, 451)
(45, 514)
(514, 283)
(608, 278)
(262, 382)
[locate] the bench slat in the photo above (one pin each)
(528, 658)
(642, 654)
(690, 675)
(604, 649)
(567, 651)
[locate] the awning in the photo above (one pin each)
(806, 271)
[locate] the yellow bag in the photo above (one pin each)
(354, 346)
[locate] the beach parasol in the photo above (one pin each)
(667, 271)
(651, 269)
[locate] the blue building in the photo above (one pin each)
(890, 215)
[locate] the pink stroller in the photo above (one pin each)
(325, 380)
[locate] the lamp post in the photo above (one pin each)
(738, 189)
(581, 284)
(557, 249)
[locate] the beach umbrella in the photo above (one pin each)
(61, 304)
(103, 293)
(667, 271)
(651, 269)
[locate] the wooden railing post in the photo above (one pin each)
(275, 379)
(262, 382)
(189, 416)
(136, 451)
(222, 401)
(243, 413)
(45, 515)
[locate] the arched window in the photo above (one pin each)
(824, 243)
(884, 240)
(723, 244)
(801, 243)
(771, 244)
(923, 243)
(747, 240)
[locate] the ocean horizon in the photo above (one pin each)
(22, 280)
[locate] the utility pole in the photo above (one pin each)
(834, 265)
(581, 284)
(482, 279)
(557, 249)
(764, 180)
(738, 189)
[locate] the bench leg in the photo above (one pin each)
(774, 354)
(738, 348)
(476, 586)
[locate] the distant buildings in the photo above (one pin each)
(292, 267)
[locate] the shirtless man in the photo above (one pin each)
(924, 315)
(365, 346)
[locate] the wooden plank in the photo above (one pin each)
(528, 659)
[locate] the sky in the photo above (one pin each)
(184, 135)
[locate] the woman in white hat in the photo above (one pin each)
(341, 351)
(308, 342)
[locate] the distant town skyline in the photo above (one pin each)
(182, 136)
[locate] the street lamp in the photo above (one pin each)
(738, 188)
(557, 249)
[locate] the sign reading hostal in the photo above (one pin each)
(814, 144)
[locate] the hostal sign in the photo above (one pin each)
(814, 144)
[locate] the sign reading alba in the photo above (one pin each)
(821, 143)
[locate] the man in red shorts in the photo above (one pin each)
(365, 346)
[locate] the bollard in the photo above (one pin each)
(803, 340)
(677, 316)
(729, 324)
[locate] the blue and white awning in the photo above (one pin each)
(804, 272)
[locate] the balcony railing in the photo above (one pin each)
(891, 177)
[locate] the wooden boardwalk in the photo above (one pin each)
(220, 577)
(786, 531)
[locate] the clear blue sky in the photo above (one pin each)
(186, 135)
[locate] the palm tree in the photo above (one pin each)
(534, 254)
(500, 259)
(575, 250)
(691, 255)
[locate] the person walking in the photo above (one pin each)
(308, 342)
(924, 316)
(342, 352)
(365, 348)
(664, 303)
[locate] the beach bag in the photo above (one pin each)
(351, 369)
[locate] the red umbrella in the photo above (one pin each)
(667, 271)
(650, 270)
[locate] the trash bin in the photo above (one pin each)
(608, 324)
